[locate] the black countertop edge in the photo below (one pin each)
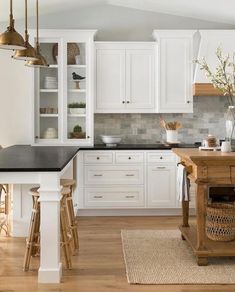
(138, 147)
(26, 158)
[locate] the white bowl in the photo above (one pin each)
(111, 140)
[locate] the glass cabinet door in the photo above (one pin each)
(47, 95)
(77, 105)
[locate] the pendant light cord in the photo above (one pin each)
(11, 16)
(26, 21)
(37, 25)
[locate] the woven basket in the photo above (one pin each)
(72, 51)
(220, 222)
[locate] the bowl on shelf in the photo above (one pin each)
(111, 140)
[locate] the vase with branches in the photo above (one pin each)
(223, 78)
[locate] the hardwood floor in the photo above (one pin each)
(99, 266)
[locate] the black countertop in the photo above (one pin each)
(157, 146)
(38, 158)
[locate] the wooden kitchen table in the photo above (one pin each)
(43, 165)
(205, 169)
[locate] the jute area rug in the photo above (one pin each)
(162, 257)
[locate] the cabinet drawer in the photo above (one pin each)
(114, 197)
(105, 175)
(160, 157)
(98, 157)
(129, 157)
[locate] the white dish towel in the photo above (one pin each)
(182, 184)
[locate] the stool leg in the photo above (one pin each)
(72, 222)
(64, 237)
(30, 240)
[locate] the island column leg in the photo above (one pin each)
(201, 201)
(50, 270)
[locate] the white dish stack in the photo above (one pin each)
(50, 133)
(50, 82)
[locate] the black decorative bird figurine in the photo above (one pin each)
(77, 77)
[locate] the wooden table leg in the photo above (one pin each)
(185, 213)
(201, 201)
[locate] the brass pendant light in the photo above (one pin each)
(11, 39)
(40, 61)
(28, 54)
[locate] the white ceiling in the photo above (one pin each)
(211, 10)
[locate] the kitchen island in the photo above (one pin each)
(24, 164)
(205, 169)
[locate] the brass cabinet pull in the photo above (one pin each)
(98, 197)
(98, 174)
(129, 174)
(129, 197)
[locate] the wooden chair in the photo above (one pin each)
(5, 208)
(33, 240)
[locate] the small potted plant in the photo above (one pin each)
(77, 133)
(77, 108)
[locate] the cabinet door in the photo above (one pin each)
(110, 79)
(175, 72)
(161, 186)
(140, 78)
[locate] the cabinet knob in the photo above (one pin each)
(129, 157)
(88, 137)
(123, 101)
(188, 101)
(128, 101)
(161, 157)
(98, 158)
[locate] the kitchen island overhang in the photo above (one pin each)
(24, 164)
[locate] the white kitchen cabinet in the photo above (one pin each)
(161, 186)
(175, 71)
(110, 79)
(55, 89)
(125, 179)
(125, 77)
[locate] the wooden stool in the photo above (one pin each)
(33, 240)
(72, 219)
(5, 208)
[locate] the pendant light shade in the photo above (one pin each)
(29, 53)
(11, 39)
(40, 60)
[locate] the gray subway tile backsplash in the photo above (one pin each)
(208, 118)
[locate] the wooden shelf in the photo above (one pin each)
(212, 248)
(205, 89)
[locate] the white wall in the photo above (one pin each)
(113, 23)
(15, 101)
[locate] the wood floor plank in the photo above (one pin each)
(99, 265)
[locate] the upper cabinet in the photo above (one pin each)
(125, 77)
(174, 71)
(63, 91)
(209, 41)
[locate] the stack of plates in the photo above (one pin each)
(50, 82)
(50, 133)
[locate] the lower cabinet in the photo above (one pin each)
(161, 186)
(114, 197)
(124, 179)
